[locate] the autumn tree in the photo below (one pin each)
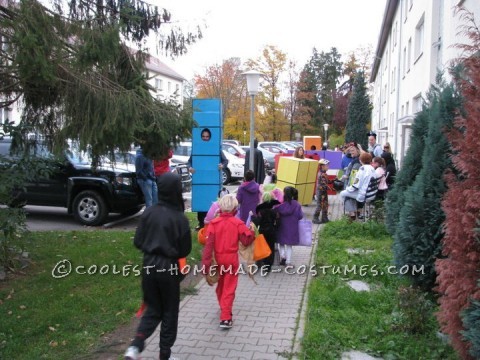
(226, 82)
(359, 112)
(291, 103)
(271, 124)
(78, 78)
(458, 275)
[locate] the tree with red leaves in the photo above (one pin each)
(458, 272)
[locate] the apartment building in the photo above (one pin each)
(417, 40)
(166, 82)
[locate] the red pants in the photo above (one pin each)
(227, 283)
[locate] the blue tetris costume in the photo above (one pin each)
(206, 155)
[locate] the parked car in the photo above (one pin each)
(127, 161)
(234, 170)
(234, 149)
(229, 141)
(89, 194)
(269, 144)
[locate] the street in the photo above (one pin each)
(44, 218)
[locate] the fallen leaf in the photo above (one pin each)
(51, 328)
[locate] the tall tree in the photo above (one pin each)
(79, 80)
(272, 122)
(458, 275)
(291, 104)
(307, 102)
(226, 82)
(419, 231)
(359, 112)
(327, 70)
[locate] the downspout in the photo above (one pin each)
(395, 133)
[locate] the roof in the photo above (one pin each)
(154, 64)
(388, 16)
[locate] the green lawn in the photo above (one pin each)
(383, 322)
(46, 316)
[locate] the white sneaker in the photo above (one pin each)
(132, 353)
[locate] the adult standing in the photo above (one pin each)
(374, 148)
(161, 166)
(146, 178)
(390, 168)
(258, 163)
(163, 235)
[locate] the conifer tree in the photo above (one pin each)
(78, 79)
(418, 234)
(359, 112)
(411, 166)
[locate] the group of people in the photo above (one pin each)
(164, 236)
(230, 223)
(360, 166)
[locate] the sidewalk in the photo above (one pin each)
(268, 317)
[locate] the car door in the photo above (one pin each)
(49, 188)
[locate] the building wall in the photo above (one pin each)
(166, 88)
(417, 43)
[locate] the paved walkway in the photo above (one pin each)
(268, 317)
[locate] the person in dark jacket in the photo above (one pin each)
(163, 235)
(266, 221)
(258, 163)
(146, 178)
(390, 168)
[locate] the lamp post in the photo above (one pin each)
(325, 127)
(253, 79)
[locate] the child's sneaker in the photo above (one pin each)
(132, 353)
(226, 324)
(283, 262)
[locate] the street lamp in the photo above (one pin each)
(325, 127)
(253, 79)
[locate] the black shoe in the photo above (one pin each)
(226, 324)
(283, 262)
(198, 227)
(316, 221)
(324, 221)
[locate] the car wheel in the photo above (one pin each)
(89, 208)
(132, 211)
(226, 177)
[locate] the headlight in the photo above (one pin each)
(124, 180)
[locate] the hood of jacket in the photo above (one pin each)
(170, 191)
(250, 186)
(287, 208)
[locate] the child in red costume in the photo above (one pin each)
(223, 235)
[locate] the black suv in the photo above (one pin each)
(90, 195)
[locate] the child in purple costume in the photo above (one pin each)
(248, 195)
(289, 212)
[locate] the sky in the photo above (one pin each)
(242, 29)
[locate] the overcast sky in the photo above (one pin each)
(242, 28)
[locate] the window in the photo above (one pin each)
(169, 87)
(407, 106)
(159, 84)
(404, 70)
(4, 115)
(393, 79)
(177, 88)
(419, 35)
(385, 96)
(409, 54)
(394, 35)
(417, 103)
